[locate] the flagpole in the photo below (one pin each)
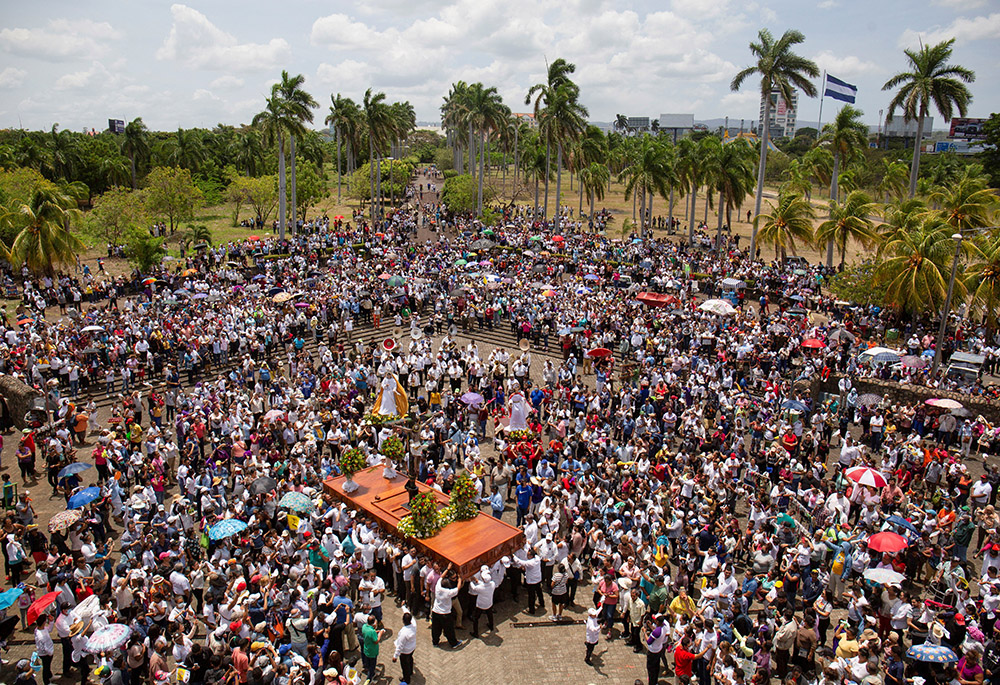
(822, 96)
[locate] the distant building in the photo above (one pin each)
(676, 125)
(782, 122)
(638, 124)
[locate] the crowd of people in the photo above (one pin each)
(679, 484)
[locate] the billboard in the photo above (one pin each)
(967, 128)
(116, 126)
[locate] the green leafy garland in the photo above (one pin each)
(392, 447)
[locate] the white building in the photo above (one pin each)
(782, 122)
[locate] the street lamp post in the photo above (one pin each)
(942, 330)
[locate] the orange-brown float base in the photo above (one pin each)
(466, 544)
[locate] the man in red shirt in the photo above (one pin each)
(684, 661)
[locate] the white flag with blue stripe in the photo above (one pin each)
(840, 90)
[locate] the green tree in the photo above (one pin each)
(990, 156)
(916, 268)
(185, 149)
(260, 193)
(968, 203)
(279, 120)
(341, 111)
(893, 181)
(116, 212)
(649, 173)
(460, 194)
(982, 277)
(734, 180)
(144, 251)
(44, 240)
(171, 193)
(247, 152)
(594, 180)
(378, 121)
(846, 135)
(779, 69)
(788, 224)
(930, 79)
(135, 145)
(300, 105)
(849, 221)
(558, 75)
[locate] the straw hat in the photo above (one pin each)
(78, 627)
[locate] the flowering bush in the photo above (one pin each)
(352, 461)
(392, 447)
(423, 521)
(462, 495)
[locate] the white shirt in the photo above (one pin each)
(406, 641)
(443, 597)
(369, 590)
(532, 569)
(484, 593)
(43, 642)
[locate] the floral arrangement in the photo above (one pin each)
(352, 461)
(392, 448)
(518, 436)
(374, 419)
(423, 520)
(463, 492)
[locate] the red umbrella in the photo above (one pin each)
(253, 239)
(862, 475)
(39, 605)
(887, 541)
(558, 239)
(656, 299)
(599, 353)
(813, 343)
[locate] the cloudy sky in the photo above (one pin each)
(79, 63)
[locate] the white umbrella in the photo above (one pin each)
(92, 329)
(881, 355)
(884, 576)
(720, 307)
(863, 475)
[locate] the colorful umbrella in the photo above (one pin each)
(64, 519)
(887, 541)
(932, 654)
(24, 320)
(108, 638)
(281, 298)
(84, 497)
(720, 307)
(40, 605)
(92, 329)
(599, 353)
(913, 362)
(945, 403)
(396, 281)
(149, 280)
(296, 501)
(226, 527)
(592, 277)
(862, 475)
(558, 239)
(75, 467)
(273, 415)
(8, 598)
(813, 344)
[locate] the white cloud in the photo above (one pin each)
(12, 77)
(960, 4)
(96, 74)
(844, 65)
(197, 43)
(61, 39)
(827, 4)
(227, 82)
(962, 29)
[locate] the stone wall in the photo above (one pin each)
(913, 394)
(18, 396)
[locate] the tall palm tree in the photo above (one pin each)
(338, 118)
(734, 179)
(788, 224)
(594, 179)
(485, 111)
(378, 122)
(63, 152)
(817, 165)
(185, 149)
(849, 221)
(135, 145)
(454, 119)
(44, 240)
(534, 162)
(115, 169)
(688, 172)
(846, 135)
(779, 69)
(558, 74)
(300, 105)
(982, 277)
(650, 173)
(968, 203)
(276, 122)
(917, 266)
(905, 215)
(710, 152)
(930, 79)
(565, 120)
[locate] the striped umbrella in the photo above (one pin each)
(863, 475)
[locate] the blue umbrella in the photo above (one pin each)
(592, 277)
(932, 654)
(903, 523)
(794, 405)
(83, 498)
(258, 277)
(8, 598)
(226, 527)
(296, 501)
(75, 467)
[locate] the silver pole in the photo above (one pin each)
(939, 343)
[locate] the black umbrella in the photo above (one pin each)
(262, 485)
(7, 627)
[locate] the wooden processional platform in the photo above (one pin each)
(466, 544)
